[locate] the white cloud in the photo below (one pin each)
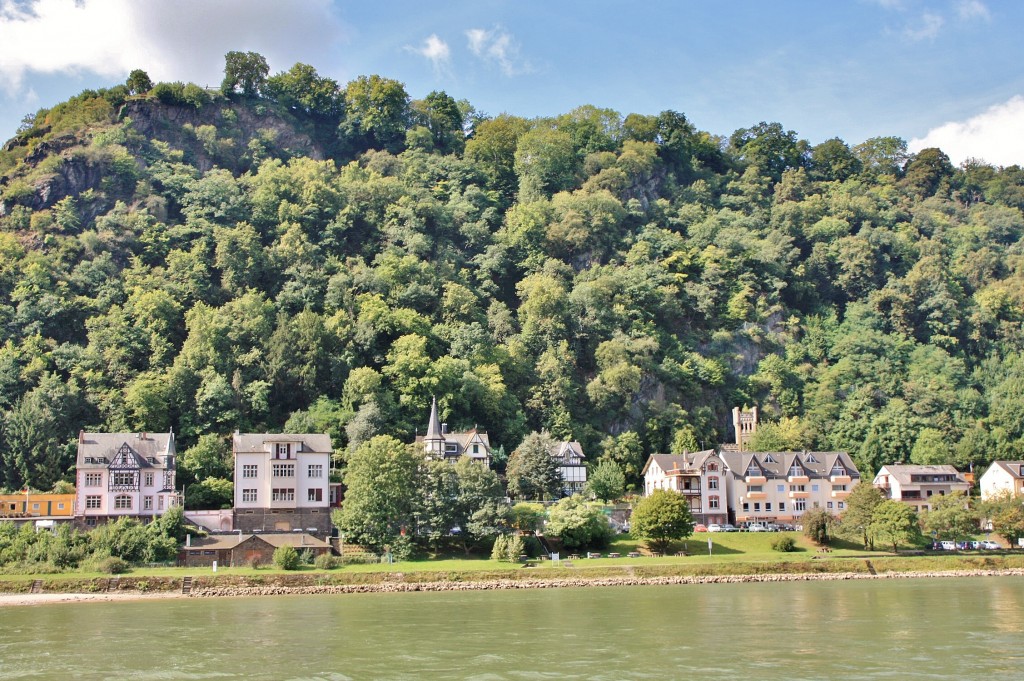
(180, 40)
(434, 50)
(972, 9)
(500, 47)
(996, 135)
(928, 29)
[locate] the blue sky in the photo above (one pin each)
(944, 72)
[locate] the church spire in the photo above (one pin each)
(434, 426)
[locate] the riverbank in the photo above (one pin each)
(64, 589)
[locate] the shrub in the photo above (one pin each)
(286, 558)
(508, 548)
(784, 544)
(254, 563)
(112, 565)
(326, 561)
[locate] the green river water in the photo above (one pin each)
(971, 628)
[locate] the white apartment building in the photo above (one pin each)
(1002, 477)
(698, 476)
(916, 485)
(282, 482)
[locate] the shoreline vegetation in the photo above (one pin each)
(70, 589)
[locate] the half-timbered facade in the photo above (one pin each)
(124, 474)
(442, 445)
(571, 466)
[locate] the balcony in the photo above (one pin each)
(840, 493)
(755, 480)
(799, 479)
(757, 496)
(799, 495)
(841, 479)
(690, 491)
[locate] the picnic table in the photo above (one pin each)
(593, 555)
(634, 554)
(574, 556)
(614, 555)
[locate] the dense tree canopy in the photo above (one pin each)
(332, 256)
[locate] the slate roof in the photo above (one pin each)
(777, 464)
(560, 449)
(148, 450)
(247, 443)
(902, 472)
(689, 461)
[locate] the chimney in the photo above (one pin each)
(444, 428)
(188, 540)
(81, 437)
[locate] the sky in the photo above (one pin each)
(943, 73)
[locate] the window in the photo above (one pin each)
(60, 506)
(713, 502)
(93, 501)
(147, 503)
(713, 467)
(814, 488)
(746, 506)
(816, 504)
(284, 470)
(795, 470)
(35, 507)
(780, 488)
(282, 452)
(839, 488)
(797, 488)
(283, 494)
(768, 506)
(799, 505)
(91, 522)
(451, 447)
(122, 501)
(811, 458)
(753, 470)
(838, 469)
(250, 470)
(757, 507)
(149, 479)
(93, 479)
(249, 495)
(160, 503)
(476, 449)
(712, 483)
(828, 504)
(755, 488)
(124, 479)
(768, 458)
(316, 494)
(316, 470)
(782, 506)
(841, 505)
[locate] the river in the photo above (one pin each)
(964, 628)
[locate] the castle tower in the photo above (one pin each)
(745, 424)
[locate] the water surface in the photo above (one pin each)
(971, 628)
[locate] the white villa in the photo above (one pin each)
(124, 474)
(282, 482)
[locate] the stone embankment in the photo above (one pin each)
(507, 584)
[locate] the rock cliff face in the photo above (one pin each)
(238, 123)
(245, 123)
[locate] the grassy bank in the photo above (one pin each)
(731, 555)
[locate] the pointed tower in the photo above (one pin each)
(433, 441)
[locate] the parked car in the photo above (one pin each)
(989, 545)
(947, 545)
(700, 527)
(756, 527)
(773, 527)
(728, 527)
(714, 527)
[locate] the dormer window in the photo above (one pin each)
(838, 469)
(795, 470)
(281, 451)
(451, 448)
(811, 459)
(769, 459)
(753, 470)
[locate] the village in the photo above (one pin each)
(284, 494)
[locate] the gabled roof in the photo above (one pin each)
(688, 461)
(248, 443)
(777, 464)
(1014, 468)
(148, 450)
(219, 542)
(561, 450)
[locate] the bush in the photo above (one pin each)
(326, 561)
(286, 558)
(783, 544)
(255, 563)
(112, 565)
(508, 548)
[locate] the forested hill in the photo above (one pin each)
(292, 254)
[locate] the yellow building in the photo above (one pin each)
(37, 505)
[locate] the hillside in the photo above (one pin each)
(294, 254)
